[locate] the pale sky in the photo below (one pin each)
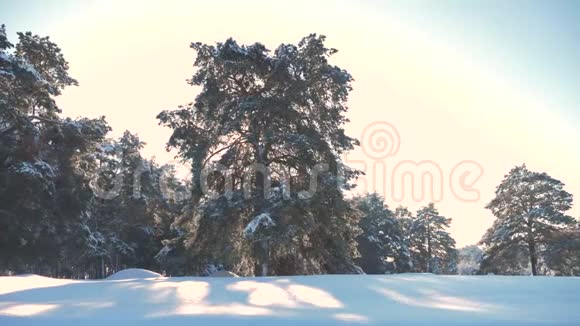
(493, 82)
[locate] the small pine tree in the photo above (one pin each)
(432, 247)
(529, 208)
(381, 243)
(469, 260)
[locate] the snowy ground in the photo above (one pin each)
(404, 299)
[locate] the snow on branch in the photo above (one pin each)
(263, 220)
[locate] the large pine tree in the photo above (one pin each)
(529, 208)
(273, 121)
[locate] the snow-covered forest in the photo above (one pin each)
(268, 195)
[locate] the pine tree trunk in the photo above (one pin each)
(429, 267)
(102, 267)
(533, 256)
(196, 186)
(265, 257)
(532, 247)
(259, 197)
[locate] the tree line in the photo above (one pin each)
(268, 188)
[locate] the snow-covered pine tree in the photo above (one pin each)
(529, 208)
(70, 147)
(562, 252)
(469, 260)
(31, 74)
(282, 113)
(381, 243)
(51, 220)
(432, 247)
(133, 212)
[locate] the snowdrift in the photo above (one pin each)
(23, 282)
(133, 273)
(404, 299)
